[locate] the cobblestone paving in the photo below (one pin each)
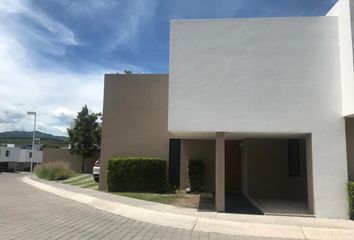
(29, 213)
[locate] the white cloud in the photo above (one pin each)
(16, 8)
(125, 19)
(54, 93)
(11, 6)
(63, 112)
(135, 17)
(61, 130)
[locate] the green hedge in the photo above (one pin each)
(196, 175)
(52, 171)
(351, 199)
(136, 174)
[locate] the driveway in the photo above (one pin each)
(29, 213)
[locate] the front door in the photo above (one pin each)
(232, 166)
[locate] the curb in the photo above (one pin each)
(140, 214)
(198, 223)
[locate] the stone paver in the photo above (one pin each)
(29, 213)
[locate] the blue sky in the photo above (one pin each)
(53, 53)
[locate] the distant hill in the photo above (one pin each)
(28, 135)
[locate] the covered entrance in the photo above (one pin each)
(252, 174)
(235, 201)
(262, 175)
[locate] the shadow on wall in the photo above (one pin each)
(74, 161)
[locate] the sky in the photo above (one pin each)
(54, 53)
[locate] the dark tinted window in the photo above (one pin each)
(293, 158)
(174, 162)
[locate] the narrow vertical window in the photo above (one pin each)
(7, 153)
(174, 162)
(30, 154)
(293, 158)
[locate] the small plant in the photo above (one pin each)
(196, 175)
(53, 171)
(351, 199)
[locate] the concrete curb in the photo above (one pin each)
(140, 214)
(198, 223)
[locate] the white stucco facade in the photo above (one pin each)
(270, 77)
(234, 73)
(343, 10)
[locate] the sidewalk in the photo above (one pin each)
(192, 219)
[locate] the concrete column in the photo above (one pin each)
(220, 172)
(309, 170)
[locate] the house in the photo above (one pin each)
(266, 103)
(14, 158)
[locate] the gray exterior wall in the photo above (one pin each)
(134, 118)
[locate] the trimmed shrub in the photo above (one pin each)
(351, 199)
(52, 171)
(196, 175)
(136, 174)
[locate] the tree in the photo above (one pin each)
(85, 136)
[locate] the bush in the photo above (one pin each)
(53, 171)
(196, 175)
(136, 174)
(351, 199)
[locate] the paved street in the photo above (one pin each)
(29, 213)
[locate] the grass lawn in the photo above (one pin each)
(173, 198)
(81, 180)
(168, 198)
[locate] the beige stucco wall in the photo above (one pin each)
(134, 117)
(203, 150)
(267, 169)
(64, 155)
(349, 128)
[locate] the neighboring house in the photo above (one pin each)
(266, 103)
(18, 159)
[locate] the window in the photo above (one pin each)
(7, 153)
(174, 162)
(293, 158)
(30, 154)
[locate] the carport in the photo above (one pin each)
(268, 174)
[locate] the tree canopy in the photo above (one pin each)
(85, 136)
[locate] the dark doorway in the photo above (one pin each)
(235, 201)
(232, 166)
(174, 162)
